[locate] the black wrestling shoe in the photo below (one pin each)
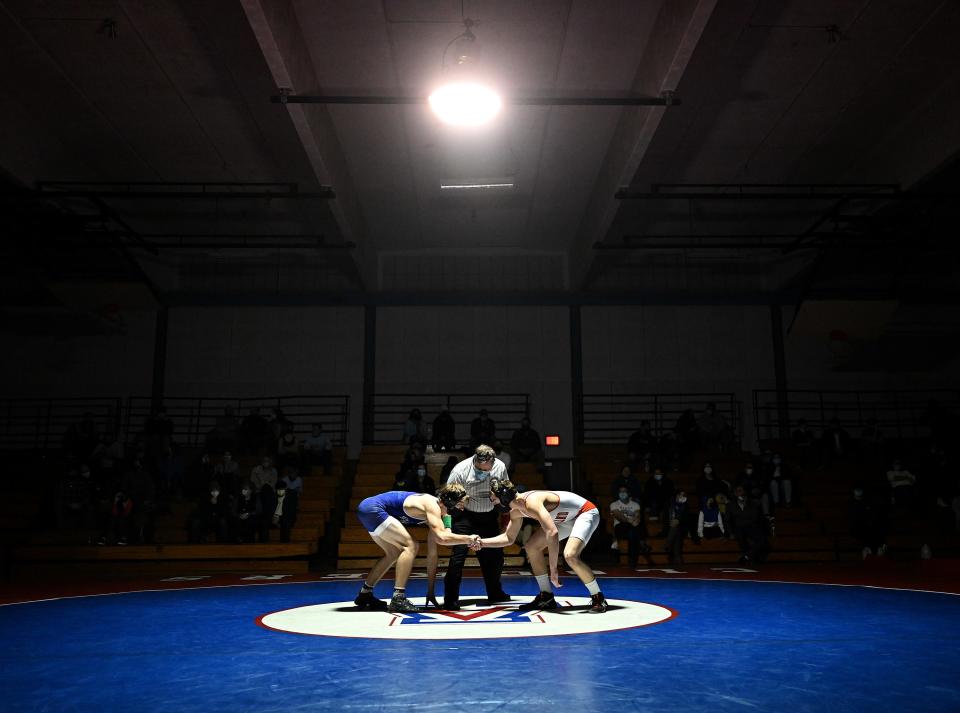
(598, 605)
(400, 604)
(499, 598)
(366, 600)
(452, 606)
(544, 600)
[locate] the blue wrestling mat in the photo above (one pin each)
(666, 645)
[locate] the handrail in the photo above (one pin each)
(43, 423)
(389, 412)
(899, 413)
(610, 418)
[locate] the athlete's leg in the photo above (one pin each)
(534, 548)
(391, 553)
(395, 536)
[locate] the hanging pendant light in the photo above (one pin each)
(463, 101)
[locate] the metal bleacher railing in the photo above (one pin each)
(44, 424)
(898, 414)
(384, 418)
(195, 417)
(611, 418)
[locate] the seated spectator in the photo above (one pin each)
(746, 525)
(781, 481)
(525, 444)
(318, 449)
(284, 511)
(679, 526)
(835, 443)
(121, 520)
(212, 515)
(414, 429)
(444, 435)
(425, 483)
(405, 479)
(641, 442)
(483, 430)
(710, 520)
(804, 443)
(142, 492)
(709, 485)
(868, 523)
(254, 431)
(447, 468)
(504, 456)
(628, 524)
(756, 486)
(107, 458)
(658, 498)
(227, 473)
(279, 425)
(245, 515)
(288, 451)
(627, 480)
(902, 485)
(291, 476)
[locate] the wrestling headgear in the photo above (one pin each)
(504, 490)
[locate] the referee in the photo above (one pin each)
(480, 517)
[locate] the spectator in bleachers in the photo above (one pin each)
(254, 430)
(414, 429)
(679, 526)
(780, 477)
(170, 473)
(318, 449)
(709, 485)
(868, 523)
(627, 480)
(280, 424)
(406, 477)
(903, 485)
(448, 466)
(226, 473)
(687, 436)
(444, 435)
(483, 430)
(211, 516)
(140, 487)
(714, 431)
(288, 451)
(245, 515)
(628, 524)
(107, 458)
(74, 499)
(710, 520)
(835, 443)
(525, 444)
(804, 443)
(641, 442)
(658, 498)
(120, 523)
(284, 511)
(756, 486)
(746, 524)
(264, 480)
(291, 476)
(503, 456)
(425, 483)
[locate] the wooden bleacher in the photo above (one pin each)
(376, 470)
(816, 529)
(30, 550)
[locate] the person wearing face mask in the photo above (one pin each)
(781, 482)
(245, 516)
(211, 516)
(709, 485)
(628, 524)
(285, 510)
(481, 517)
(679, 523)
(746, 524)
(658, 495)
(756, 486)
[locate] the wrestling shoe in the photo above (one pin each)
(366, 600)
(598, 605)
(544, 600)
(499, 598)
(402, 605)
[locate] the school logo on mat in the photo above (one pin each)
(342, 619)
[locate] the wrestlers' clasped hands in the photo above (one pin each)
(475, 543)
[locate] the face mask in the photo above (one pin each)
(624, 497)
(214, 493)
(741, 499)
(708, 470)
(749, 471)
(658, 476)
(281, 493)
(681, 500)
(480, 475)
(421, 472)
(246, 492)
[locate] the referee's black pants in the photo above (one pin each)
(485, 524)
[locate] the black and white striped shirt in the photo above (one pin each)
(465, 474)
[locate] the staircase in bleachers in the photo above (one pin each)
(375, 474)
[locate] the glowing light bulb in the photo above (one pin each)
(465, 104)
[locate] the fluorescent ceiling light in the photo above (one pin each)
(472, 186)
(465, 104)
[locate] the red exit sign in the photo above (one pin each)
(553, 440)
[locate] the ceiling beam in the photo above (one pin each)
(668, 99)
